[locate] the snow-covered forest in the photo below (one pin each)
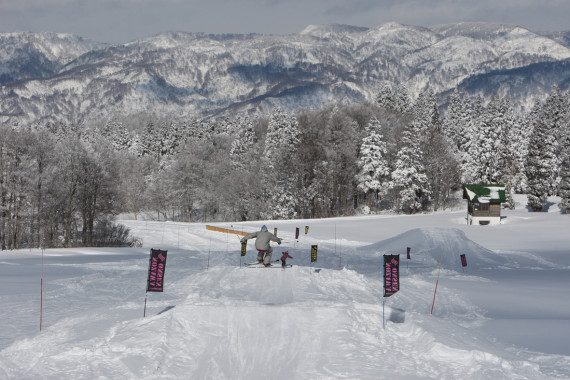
(61, 185)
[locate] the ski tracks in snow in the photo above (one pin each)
(236, 323)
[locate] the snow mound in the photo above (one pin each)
(428, 244)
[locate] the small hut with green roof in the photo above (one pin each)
(484, 203)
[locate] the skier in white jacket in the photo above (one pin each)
(262, 239)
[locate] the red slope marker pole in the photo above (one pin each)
(440, 261)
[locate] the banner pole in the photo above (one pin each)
(144, 313)
(156, 269)
(42, 291)
(383, 323)
(440, 262)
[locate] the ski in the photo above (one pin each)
(271, 266)
(258, 263)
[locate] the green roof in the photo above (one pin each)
(490, 193)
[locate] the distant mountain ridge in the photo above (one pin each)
(26, 55)
(50, 76)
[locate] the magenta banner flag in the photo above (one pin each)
(409, 249)
(156, 268)
(297, 233)
(463, 260)
(391, 274)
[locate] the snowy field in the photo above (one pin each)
(505, 316)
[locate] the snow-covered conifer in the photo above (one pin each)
(402, 102)
(426, 115)
(408, 179)
(457, 121)
(541, 166)
(397, 101)
(508, 170)
(459, 128)
(372, 163)
(386, 99)
(242, 148)
(492, 124)
(564, 188)
(281, 139)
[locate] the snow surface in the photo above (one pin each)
(505, 316)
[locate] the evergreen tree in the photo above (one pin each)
(470, 159)
(508, 169)
(489, 132)
(242, 150)
(520, 137)
(564, 189)
(115, 132)
(402, 102)
(458, 121)
(372, 162)
(423, 117)
(149, 142)
(396, 101)
(459, 129)
(564, 155)
(541, 165)
(386, 98)
(435, 152)
(408, 179)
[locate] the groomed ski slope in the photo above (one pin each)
(505, 316)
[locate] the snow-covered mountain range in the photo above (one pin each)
(49, 76)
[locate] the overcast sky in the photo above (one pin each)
(118, 21)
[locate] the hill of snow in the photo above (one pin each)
(504, 316)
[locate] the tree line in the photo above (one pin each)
(63, 185)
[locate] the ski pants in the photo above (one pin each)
(265, 255)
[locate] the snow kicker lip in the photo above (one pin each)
(428, 244)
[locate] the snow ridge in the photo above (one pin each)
(193, 74)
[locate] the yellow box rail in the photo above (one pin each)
(226, 230)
